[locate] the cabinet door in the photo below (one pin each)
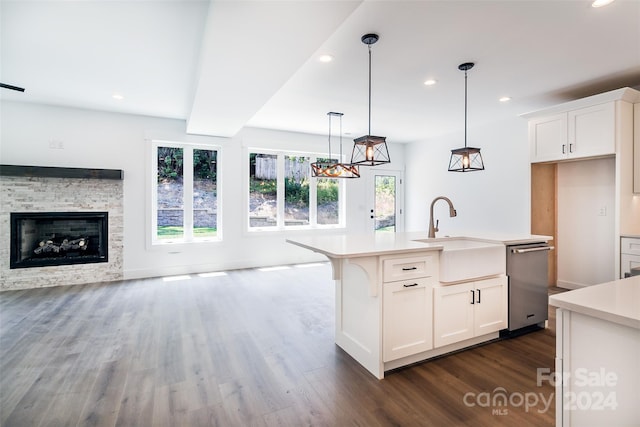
(592, 131)
(407, 318)
(548, 138)
(490, 306)
(453, 313)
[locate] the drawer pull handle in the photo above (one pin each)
(409, 286)
(409, 268)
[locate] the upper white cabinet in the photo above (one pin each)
(548, 137)
(584, 132)
(599, 125)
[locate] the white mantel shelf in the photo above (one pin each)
(617, 301)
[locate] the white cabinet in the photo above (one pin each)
(469, 310)
(407, 318)
(548, 137)
(598, 361)
(629, 255)
(408, 305)
(579, 133)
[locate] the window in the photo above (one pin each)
(283, 195)
(184, 197)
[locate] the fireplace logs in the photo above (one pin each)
(48, 246)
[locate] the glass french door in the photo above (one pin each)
(386, 211)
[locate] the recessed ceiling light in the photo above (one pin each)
(118, 96)
(430, 82)
(505, 99)
(600, 3)
(325, 58)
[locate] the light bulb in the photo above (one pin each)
(369, 152)
(465, 161)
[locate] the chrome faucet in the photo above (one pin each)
(452, 213)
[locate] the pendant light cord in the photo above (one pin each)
(340, 159)
(465, 108)
(369, 89)
(331, 114)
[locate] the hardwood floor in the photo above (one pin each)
(247, 349)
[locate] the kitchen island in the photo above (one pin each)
(402, 298)
(597, 374)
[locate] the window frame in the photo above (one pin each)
(187, 193)
(280, 226)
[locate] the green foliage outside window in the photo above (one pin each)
(327, 191)
(296, 193)
(171, 162)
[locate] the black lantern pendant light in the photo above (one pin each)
(370, 150)
(332, 168)
(465, 159)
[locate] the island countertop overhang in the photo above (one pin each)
(373, 244)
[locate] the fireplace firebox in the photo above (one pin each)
(41, 239)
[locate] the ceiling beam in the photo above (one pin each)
(242, 66)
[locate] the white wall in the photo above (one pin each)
(496, 200)
(586, 222)
(93, 139)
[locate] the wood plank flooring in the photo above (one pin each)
(247, 349)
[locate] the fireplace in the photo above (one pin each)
(41, 239)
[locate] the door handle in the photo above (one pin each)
(478, 296)
(524, 251)
(473, 296)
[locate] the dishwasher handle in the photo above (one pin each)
(536, 249)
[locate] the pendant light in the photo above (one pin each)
(465, 159)
(370, 150)
(332, 168)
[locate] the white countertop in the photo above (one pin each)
(359, 245)
(632, 236)
(617, 301)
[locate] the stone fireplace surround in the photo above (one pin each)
(51, 189)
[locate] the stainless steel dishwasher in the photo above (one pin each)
(527, 267)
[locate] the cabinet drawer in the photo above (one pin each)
(408, 268)
(630, 245)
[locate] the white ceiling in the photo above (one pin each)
(225, 64)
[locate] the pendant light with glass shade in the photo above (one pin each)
(370, 150)
(466, 159)
(330, 167)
